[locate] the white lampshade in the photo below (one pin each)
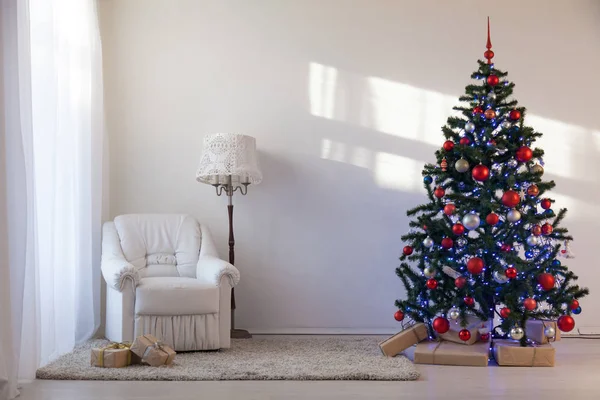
(229, 154)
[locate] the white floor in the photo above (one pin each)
(575, 377)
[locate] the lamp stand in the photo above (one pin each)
(229, 189)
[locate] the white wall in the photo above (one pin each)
(346, 100)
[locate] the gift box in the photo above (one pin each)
(534, 329)
(450, 353)
(404, 339)
(152, 351)
(115, 355)
(509, 353)
(473, 326)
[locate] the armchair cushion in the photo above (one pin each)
(175, 296)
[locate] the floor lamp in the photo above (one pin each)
(229, 163)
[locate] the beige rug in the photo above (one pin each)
(275, 358)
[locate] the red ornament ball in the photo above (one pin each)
(448, 145)
(480, 173)
(447, 243)
(504, 312)
(449, 209)
(536, 230)
(461, 281)
(523, 154)
(546, 281)
(529, 304)
(515, 115)
(511, 272)
(493, 80)
(464, 335)
(546, 204)
(475, 265)
(424, 227)
(439, 192)
(566, 323)
(490, 114)
(511, 199)
(533, 190)
(407, 250)
(441, 325)
(547, 229)
(477, 110)
(398, 315)
(469, 301)
(432, 284)
(485, 337)
(458, 229)
(506, 247)
(574, 304)
(492, 219)
(464, 141)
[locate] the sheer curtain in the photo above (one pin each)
(51, 184)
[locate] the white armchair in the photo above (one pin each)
(164, 277)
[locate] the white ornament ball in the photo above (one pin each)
(461, 165)
(506, 124)
(500, 277)
(469, 127)
(471, 221)
(513, 215)
(516, 333)
(549, 332)
(491, 96)
(429, 272)
(533, 240)
(428, 242)
(453, 313)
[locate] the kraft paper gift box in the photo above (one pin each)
(152, 351)
(450, 353)
(473, 325)
(115, 355)
(534, 329)
(404, 339)
(509, 353)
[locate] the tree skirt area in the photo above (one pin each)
(275, 358)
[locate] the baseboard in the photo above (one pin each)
(322, 331)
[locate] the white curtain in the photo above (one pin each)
(51, 154)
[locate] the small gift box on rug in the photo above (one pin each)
(115, 355)
(535, 330)
(509, 353)
(450, 353)
(153, 351)
(473, 326)
(404, 339)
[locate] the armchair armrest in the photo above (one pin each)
(212, 269)
(116, 270)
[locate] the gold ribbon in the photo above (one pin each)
(114, 346)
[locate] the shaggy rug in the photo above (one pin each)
(276, 358)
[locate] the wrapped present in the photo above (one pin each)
(509, 353)
(152, 351)
(534, 329)
(449, 353)
(404, 339)
(474, 324)
(115, 355)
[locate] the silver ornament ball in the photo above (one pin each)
(491, 96)
(429, 272)
(461, 165)
(549, 332)
(500, 277)
(533, 240)
(471, 221)
(428, 242)
(506, 124)
(453, 313)
(513, 215)
(461, 242)
(512, 163)
(516, 333)
(469, 127)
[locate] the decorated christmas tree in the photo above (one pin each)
(488, 241)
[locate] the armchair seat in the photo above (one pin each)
(175, 296)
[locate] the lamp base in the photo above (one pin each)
(240, 334)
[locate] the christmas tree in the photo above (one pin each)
(488, 241)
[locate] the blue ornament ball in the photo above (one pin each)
(529, 254)
(549, 211)
(428, 179)
(577, 310)
(556, 263)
